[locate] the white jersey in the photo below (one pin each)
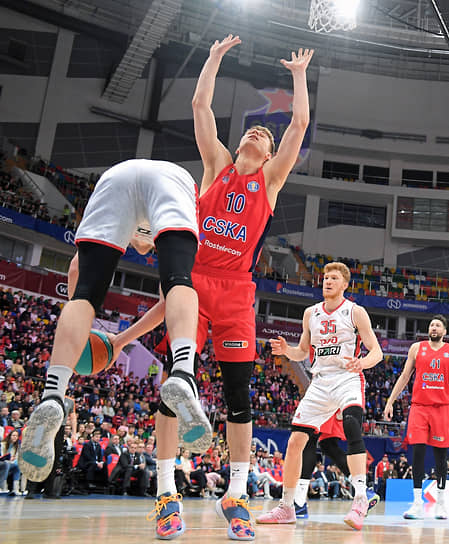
(333, 336)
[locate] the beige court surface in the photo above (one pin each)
(123, 520)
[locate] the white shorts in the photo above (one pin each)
(327, 394)
(139, 191)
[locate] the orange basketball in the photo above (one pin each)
(96, 356)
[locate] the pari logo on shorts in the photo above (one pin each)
(253, 186)
(235, 343)
(438, 438)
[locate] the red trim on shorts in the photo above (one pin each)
(362, 385)
(101, 242)
(339, 306)
(176, 229)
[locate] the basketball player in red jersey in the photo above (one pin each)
(237, 200)
(428, 420)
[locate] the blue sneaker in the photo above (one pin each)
(301, 511)
(373, 499)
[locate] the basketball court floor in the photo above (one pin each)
(99, 520)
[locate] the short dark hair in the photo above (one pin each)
(441, 318)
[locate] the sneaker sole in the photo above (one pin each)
(274, 522)
(174, 535)
(194, 429)
(37, 453)
(352, 524)
(405, 516)
(231, 535)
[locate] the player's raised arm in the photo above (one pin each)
(277, 169)
(213, 153)
(363, 324)
(403, 379)
(279, 346)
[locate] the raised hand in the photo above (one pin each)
(299, 61)
(279, 346)
(219, 49)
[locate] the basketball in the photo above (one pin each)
(96, 356)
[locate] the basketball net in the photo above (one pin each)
(328, 15)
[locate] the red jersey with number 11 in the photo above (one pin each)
(234, 219)
(432, 375)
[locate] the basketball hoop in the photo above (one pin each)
(328, 15)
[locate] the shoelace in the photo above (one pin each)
(162, 503)
(244, 504)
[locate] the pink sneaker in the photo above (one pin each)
(280, 514)
(356, 515)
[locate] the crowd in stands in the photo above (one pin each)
(15, 197)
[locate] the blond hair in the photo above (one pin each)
(341, 267)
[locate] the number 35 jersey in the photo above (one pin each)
(333, 336)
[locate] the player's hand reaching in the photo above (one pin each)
(299, 61)
(388, 412)
(219, 49)
(354, 364)
(279, 346)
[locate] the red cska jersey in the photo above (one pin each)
(432, 375)
(234, 219)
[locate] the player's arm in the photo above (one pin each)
(403, 379)
(301, 351)
(213, 153)
(146, 323)
(362, 322)
(277, 169)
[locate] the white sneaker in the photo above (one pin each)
(37, 451)
(179, 392)
(440, 511)
(416, 511)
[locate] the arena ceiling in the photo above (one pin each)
(393, 37)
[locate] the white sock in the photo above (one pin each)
(288, 496)
(166, 476)
(183, 350)
(359, 483)
(302, 487)
(238, 480)
(58, 377)
(417, 494)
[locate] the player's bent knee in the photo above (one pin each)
(176, 253)
(236, 378)
(299, 436)
(352, 426)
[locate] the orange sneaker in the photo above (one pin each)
(168, 510)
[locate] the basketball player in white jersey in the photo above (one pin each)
(127, 195)
(333, 328)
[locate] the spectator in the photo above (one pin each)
(91, 461)
(9, 449)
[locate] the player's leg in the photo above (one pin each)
(356, 459)
(416, 511)
(97, 263)
(176, 252)
(440, 455)
(233, 506)
(285, 511)
(302, 487)
(331, 448)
